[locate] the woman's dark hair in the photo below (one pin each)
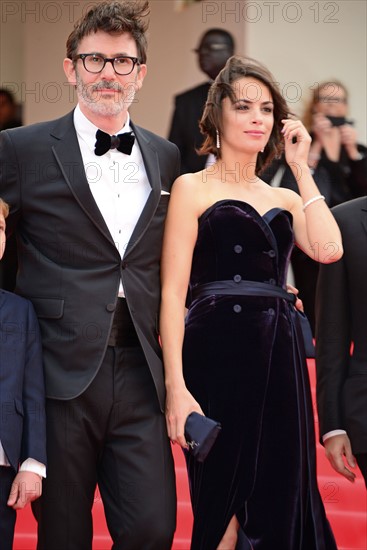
(113, 17)
(239, 67)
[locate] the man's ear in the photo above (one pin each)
(140, 76)
(69, 71)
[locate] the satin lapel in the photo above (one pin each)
(67, 153)
(150, 158)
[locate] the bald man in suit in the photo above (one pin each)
(215, 47)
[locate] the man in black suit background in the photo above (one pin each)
(215, 47)
(89, 223)
(341, 322)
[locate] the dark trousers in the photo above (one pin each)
(113, 435)
(7, 514)
(362, 463)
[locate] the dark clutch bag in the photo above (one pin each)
(200, 434)
(307, 334)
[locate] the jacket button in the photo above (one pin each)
(123, 265)
(111, 307)
(272, 281)
(271, 253)
(237, 278)
(238, 249)
(237, 308)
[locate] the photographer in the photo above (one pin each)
(335, 156)
(338, 165)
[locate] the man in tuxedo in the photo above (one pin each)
(22, 405)
(341, 322)
(88, 206)
(215, 47)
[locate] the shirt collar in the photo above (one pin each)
(86, 130)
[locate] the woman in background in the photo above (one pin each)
(339, 167)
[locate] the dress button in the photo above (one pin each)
(237, 308)
(123, 265)
(271, 253)
(237, 278)
(238, 249)
(272, 281)
(110, 307)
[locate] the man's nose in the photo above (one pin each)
(108, 71)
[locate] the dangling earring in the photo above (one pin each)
(218, 140)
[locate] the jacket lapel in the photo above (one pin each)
(150, 158)
(68, 156)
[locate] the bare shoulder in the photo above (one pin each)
(188, 181)
(187, 191)
(286, 198)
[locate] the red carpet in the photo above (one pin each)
(346, 507)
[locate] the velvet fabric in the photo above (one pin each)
(244, 362)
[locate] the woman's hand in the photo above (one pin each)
(328, 135)
(297, 143)
(321, 126)
(179, 404)
(298, 304)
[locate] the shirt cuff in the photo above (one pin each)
(32, 465)
(332, 433)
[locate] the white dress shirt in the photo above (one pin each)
(118, 182)
(29, 465)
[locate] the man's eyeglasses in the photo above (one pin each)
(95, 63)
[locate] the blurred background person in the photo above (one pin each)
(338, 164)
(215, 47)
(9, 118)
(341, 320)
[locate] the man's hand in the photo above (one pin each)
(26, 487)
(336, 448)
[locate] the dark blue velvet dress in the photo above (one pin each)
(244, 362)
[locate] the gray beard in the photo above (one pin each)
(93, 99)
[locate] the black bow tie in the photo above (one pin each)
(122, 142)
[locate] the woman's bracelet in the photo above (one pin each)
(314, 199)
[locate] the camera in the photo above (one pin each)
(339, 120)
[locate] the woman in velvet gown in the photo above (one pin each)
(238, 355)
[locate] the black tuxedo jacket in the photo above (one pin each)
(341, 314)
(69, 266)
(22, 392)
(185, 132)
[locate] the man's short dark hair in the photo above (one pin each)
(113, 17)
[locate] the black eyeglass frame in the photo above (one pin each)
(111, 60)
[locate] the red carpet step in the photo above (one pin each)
(345, 503)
